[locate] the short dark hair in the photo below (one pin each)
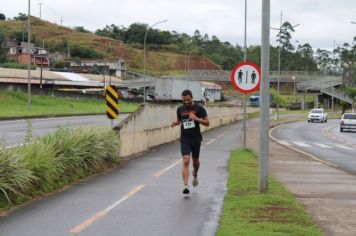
(187, 92)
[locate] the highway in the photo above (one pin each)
(322, 140)
(141, 197)
(13, 132)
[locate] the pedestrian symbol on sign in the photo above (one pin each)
(246, 77)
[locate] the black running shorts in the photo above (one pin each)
(188, 148)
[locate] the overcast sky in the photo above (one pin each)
(321, 21)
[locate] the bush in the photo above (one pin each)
(50, 162)
(15, 177)
(15, 65)
(84, 52)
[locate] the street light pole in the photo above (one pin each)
(29, 57)
(244, 124)
(144, 59)
(265, 100)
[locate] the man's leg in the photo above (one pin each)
(196, 165)
(185, 169)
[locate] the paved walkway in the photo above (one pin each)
(328, 194)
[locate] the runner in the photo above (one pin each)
(190, 115)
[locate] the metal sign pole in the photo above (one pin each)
(265, 98)
(244, 125)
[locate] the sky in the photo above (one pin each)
(322, 23)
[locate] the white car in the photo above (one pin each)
(348, 121)
(318, 115)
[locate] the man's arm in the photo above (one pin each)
(204, 121)
(175, 123)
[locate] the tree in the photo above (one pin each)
(3, 53)
(324, 60)
(81, 29)
(20, 17)
(351, 92)
(136, 33)
(284, 36)
(2, 16)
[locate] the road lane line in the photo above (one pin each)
(211, 141)
(79, 228)
(322, 145)
(343, 147)
(301, 144)
(221, 135)
(161, 172)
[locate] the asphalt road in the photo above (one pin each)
(142, 197)
(14, 132)
(323, 140)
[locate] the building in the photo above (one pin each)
(23, 51)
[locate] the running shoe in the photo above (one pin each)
(186, 190)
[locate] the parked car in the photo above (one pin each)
(348, 121)
(317, 115)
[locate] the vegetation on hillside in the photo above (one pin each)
(171, 51)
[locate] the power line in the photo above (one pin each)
(59, 14)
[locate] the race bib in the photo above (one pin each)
(188, 124)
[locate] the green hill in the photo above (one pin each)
(57, 38)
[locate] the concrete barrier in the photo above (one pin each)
(151, 126)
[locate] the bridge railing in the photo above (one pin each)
(225, 75)
(337, 93)
(320, 83)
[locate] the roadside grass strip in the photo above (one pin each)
(43, 165)
(247, 212)
(14, 104)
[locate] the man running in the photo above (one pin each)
(190, 115)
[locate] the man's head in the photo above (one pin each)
(187, 98)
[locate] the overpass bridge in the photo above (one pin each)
(304, 82)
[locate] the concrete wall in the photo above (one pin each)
(151, 126)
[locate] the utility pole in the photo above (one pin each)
(61, 21)
(265, 98)
(279, 64)
(29, 57)
(244, 124)
(40, 9)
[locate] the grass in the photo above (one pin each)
(14, 104)
(46, 164)
(246, 212)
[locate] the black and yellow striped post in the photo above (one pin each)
(112, 102)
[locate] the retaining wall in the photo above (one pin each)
(151, 126)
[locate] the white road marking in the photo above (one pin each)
(301, 144)
(219, 136)
(299, 162)
(343, 147)
(211, 141)
(322, 145)
(161, 172)
(79, 228)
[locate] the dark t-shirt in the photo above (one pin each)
(190, 130)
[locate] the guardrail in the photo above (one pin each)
(337, 93)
